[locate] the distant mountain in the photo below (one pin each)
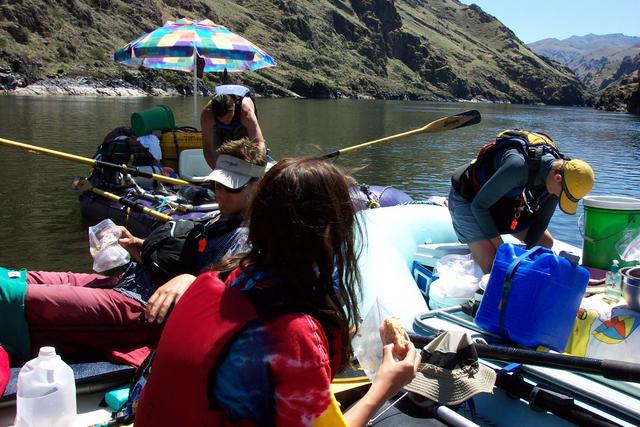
(593, 58)
(407, 49)
(605, 64)
(568, 50)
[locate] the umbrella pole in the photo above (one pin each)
(195, 90)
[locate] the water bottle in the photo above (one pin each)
(46, 395)
(613, 288)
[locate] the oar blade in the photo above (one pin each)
(456, 121)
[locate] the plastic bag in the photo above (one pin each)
(367, 343)
(628, 246)
(104, 247)
(459, 276)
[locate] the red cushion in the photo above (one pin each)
(4, 370)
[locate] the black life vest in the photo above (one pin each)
(516, 209)
(234, 130)
(171, 249)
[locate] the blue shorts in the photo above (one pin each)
(464, 222)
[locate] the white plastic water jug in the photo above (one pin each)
(46, 394)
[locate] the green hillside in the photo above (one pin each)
(406, 49)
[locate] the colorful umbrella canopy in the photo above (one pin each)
(181, 44)
(175, 45)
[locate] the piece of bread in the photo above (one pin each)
(394, 333)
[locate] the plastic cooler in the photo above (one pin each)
(429, 253)
(532, 297)
(423, 277)
(607, 220)
(173, 142)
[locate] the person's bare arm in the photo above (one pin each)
(390, 377)
(249, 120)
(206, 124)
(167, 295)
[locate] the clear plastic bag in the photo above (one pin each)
(367, 343)
(628, 246)
(459, 276)
(104, 247)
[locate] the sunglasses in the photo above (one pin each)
(217, 186)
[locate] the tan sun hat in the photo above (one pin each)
(450, 372)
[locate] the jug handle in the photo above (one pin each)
(508, 278)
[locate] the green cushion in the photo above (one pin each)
(14, 330)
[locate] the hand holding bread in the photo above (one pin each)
(394, 333)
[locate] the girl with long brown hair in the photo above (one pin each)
(263, 347)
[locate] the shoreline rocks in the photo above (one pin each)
(84, 86)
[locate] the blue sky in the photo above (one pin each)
(533, 20)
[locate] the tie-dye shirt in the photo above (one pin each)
(277, 372)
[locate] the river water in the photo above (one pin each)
(40, 224)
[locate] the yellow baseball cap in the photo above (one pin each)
(577, 181)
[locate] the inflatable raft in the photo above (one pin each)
(390, 239)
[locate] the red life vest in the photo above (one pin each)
(209, 315)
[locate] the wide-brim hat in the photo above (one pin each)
(577, 181)
(233, 172)
(450, 372)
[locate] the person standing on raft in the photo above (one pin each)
(513, 187)
(231, 114)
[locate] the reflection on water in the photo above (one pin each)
(40, 224)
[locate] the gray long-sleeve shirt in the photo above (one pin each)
(511, 172)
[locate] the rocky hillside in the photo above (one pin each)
(605, 64)
(623, 93)
(569, 50)
(409, 49)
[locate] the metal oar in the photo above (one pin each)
(612, 369)
(95, 163)
(162, 200)
(460, 120)
(84, 185)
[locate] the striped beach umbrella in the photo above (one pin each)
(187, 45)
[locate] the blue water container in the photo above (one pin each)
(532, 297)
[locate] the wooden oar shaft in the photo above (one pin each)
(378, 141)
(134, 206)
(446, 123)
(92, 162)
